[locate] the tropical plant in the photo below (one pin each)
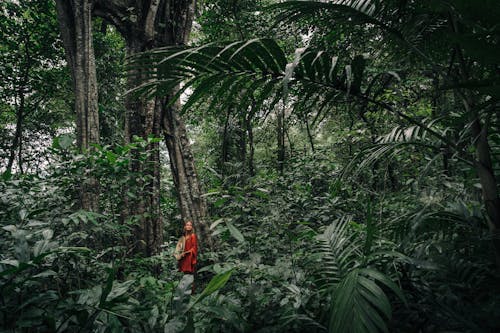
(348, 162)
(260, 69)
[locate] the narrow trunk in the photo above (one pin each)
(242, 145)
(16, 140)
(225, 144)
(445, 150)
(20, 151)
(290, 144)
(75, 22)
(309, 134)
(251, 153)
(280, 129)
(392, 177)
(20, 112)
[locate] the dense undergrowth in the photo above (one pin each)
(298, 251)
(348, 152)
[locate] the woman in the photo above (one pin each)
(186, 250)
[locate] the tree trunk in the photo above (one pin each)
(135, 20)
(143, 121)
(147, 24)
(280, 130)
(224, 158)
(75, 22)
(242, 142)
(191, 202)
(251, 153)
(174, 30)
(482, 162)
(20, 150)
(16, 140)
(309, 134)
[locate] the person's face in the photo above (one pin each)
(188, 226)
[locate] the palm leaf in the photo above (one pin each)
(358, 301)
(360, 305)
(362, 10)
(395, 141)
(258, 69)
(210, 69)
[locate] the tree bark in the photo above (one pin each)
(75, 22)
(309, 134)
(16, 140)
(280, 129)
(147, 24)
(143, 121)
(251, 153)
(191, 202)
(242, 141)
(174, 30)
(224, 158)
(135, 21)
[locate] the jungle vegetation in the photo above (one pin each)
(340, 160)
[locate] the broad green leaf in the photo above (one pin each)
(235, 232)
(215, 284)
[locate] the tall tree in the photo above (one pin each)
(75, 21)
(143, 25)
(30, 73)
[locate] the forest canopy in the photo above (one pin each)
(339, 161)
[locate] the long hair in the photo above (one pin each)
(184, 231)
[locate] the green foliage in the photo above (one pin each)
(257, 67)
(63, 269)
(375, 224)
(110, 54)
(360, 304)
(34, 92)
(233, 20)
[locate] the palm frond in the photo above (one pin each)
(362, 10)
(404, 22)
(392, 143)
(244, 72)
(409, 134)
(253, 72)
(339, 250)
(360, 305)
